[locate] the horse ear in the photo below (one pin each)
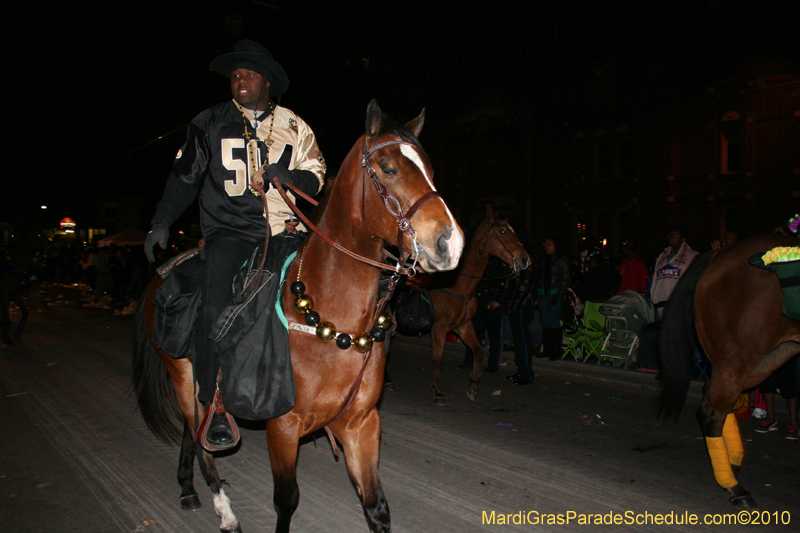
(374, 117)
(489, 212)
(416, 125)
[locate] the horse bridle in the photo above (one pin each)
(390, 201)
(510, 253)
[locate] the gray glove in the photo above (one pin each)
(158, 234)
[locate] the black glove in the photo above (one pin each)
(554, 300)
(304, 180)
(158, 234)
(279, 171)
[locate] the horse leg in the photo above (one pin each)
(438, 337)
(723, 440)
(189, 499)
(467, 335)
(362, 449)
(222, 504)
(180, 372)
(283, 441)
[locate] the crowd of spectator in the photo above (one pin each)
(553, 291)
(113, 274)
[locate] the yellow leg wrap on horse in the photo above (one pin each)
(733, 440)
(720, 462)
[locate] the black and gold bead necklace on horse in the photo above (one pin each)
(326, 332)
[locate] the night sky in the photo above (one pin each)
(106, 82)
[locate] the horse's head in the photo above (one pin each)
(496, 237)
(406, 210)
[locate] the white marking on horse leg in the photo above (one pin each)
(222, 506)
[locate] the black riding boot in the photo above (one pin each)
(219, 430)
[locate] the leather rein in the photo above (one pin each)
(390, 201)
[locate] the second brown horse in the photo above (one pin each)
(455, 305)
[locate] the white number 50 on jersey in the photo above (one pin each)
(238, 185)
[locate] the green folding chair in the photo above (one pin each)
(594, 331)
(571, 344)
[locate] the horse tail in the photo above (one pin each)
(677, 341)
(154, 390)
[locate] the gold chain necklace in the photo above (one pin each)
(252, 143)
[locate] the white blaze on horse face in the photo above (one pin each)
(456, 241)
(413, 155)
(222, 506)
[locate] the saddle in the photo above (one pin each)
(252, 345)
(176, 303)
(251, 342)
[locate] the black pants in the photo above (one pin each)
(224, 256)
(784, 378)
(487, 322)
(648, 356)
(523, 343)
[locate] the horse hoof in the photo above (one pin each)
(191, 502)
(440, 401)
(741, 499)
(237, 529)
(744, 502)
(472, 394)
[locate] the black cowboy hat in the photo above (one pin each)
(251, 55)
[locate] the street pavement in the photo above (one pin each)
(76, 456)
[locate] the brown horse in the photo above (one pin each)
(336, 389)
(735, 308)
(455, 305)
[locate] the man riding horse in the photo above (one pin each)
(226, 146)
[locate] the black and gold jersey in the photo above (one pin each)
(218, 158)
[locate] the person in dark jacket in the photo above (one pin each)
(521, 310)
(553, 284)
(488, 319)
(600, 282)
